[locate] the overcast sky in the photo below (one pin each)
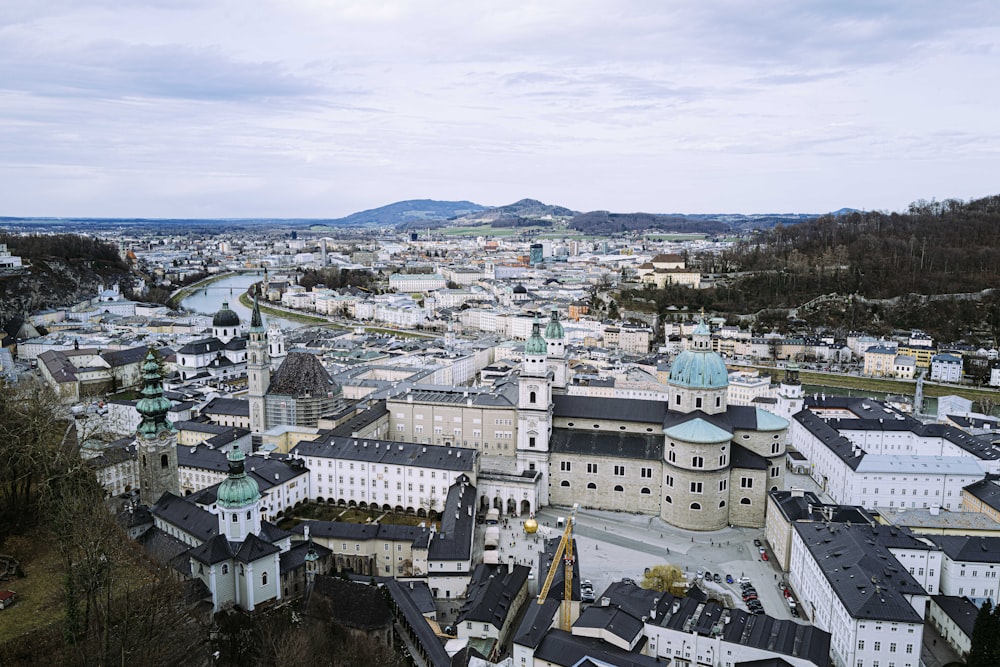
(319, 108)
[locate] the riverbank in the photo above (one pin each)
(884, 385)
(184, 292)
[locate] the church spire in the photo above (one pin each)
(256, 322)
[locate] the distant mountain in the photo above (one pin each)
(407, 213)
(607, 223)
(516, 214)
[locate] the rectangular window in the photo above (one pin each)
(746, 482)
(695, 487)
(565, 466)
(722, 484)
(620, 471)
(592, 468)
(646, 473)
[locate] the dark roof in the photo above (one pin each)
(124, 357)
(362, 419)
(606, 443)
(372, 450)
(453, 541)
(431, 645)
(959, 609)
(808, 507)
(215, 550)
(302, 375)
(617, 409)
(491, 593)
(271, 533)
(536, 622)
(165, 549)
(254, 548)
(361, 531)
(557, 587)
(987, 490)
(967, 548)
(856, 561)
(744, 458)
(190, 518)
(354, 605)
(203, 346)
(235, 407)
(295, 557)
(561, 648)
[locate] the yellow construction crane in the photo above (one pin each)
(565, 547)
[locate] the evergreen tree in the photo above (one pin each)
(984, 648)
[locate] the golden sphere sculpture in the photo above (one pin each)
(531, 526)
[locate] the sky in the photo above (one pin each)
(320, 108)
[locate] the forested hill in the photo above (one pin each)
(933, 248)
(61, 269)
(606, 223)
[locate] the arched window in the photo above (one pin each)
(672, 456)
(225, 568)
(668, 500)
(164, 462)
(263, 579)
(744, 501)
(564, 483)
(235, 518)
(696, 506)
(697, 462)
(592, 486)
(619, 488)
(249, 512)
(722, 503)
(532, 397)
(645, 491)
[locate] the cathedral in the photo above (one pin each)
(693, 460)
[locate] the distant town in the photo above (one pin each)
(527, 468)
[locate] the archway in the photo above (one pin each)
(351, 503)
(526, 507)
(386, 507)
(511, 506)
(497, 503)
(484, 503)
(363, 505)
(422, 513)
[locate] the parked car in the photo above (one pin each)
(708, 575)
(743, 580)
(587, 595)
(729, 578)
(763, 555)
(700, 574)
(627, 580)
(757, 544)
(716, 578)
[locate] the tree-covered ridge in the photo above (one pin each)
(934, 248)
(69, 247)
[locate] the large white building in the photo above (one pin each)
(851, 585)
(864, 453)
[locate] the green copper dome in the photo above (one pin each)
(554, 330)
(153, 406)
(699, 367)
(536, 345)
(237, 490)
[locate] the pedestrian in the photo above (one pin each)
(597, 547)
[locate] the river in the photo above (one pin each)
(208, 299)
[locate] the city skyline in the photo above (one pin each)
(300, 109)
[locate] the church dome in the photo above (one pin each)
(237, 490)
(554, 330)
(520, 289)
(226, 317)
(699, 367)
(536, 345)
(699, 370)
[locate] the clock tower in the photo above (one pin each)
(258, 370)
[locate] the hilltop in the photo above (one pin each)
(409, 213)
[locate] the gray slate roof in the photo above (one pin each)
(867, 578)
(389, 453)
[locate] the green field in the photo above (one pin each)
(675, 237)
(486, 230)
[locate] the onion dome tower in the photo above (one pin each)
(555, 338)
(156, 437)
(238, 500)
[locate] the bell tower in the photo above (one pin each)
(258, 370)
(534, 411)
(156, 438)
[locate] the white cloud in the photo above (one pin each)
(318, 108)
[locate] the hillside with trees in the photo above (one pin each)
(872, 270)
